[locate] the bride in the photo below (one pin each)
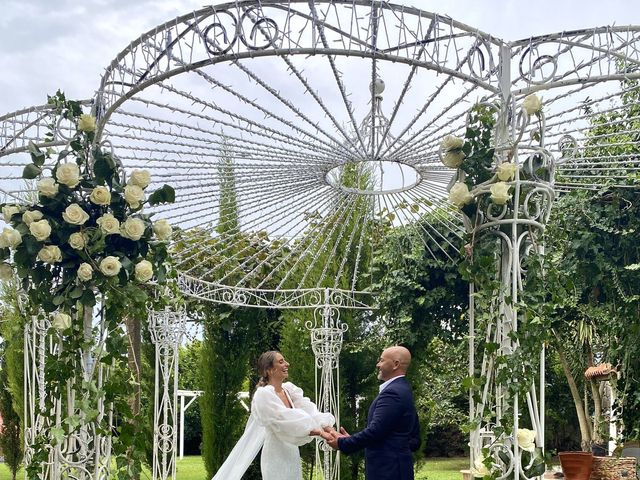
(281, 419)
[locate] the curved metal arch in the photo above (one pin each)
(189, 35)
(18, 128)
(575, 57)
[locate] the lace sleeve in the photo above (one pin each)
(304, 403)
(291, 425)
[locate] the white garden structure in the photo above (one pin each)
(311, 123)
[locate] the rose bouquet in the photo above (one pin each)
(86, 233)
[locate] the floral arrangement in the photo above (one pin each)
(474, 157)
(86, 232)
(85, 239)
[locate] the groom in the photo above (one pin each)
(392, 432)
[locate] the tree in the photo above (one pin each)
(10, 441)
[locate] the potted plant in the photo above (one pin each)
(576, 465)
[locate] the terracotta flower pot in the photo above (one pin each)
(576, 465)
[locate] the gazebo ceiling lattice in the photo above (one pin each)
(293, 130)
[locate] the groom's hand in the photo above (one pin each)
(333, 442)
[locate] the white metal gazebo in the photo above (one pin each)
(296, 133)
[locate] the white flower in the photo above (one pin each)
(452, 159)
(78, 240)
(133, 195)
(507, 171)
(75, 215)
(459, 194)
(40, 229)
(532, 104)
(50, 254)
(500, 193)
(68, 174)
(162, 229)
(480, 469)
(31, 216)
(85, 272)
(10, 238)
(6, 272)
(132, 228)
(48, 187)
(61, 321)
(144, 271)
(109, 224)
(451, 142)
(110, 266)
(100, 196)
(527, 439)
(141, 178)
(9, 211)
(87, 123)
(452, 151)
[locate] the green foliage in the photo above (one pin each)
(10, 431)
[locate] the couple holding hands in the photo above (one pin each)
(282, 419)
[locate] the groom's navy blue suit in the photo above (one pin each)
(392, 433)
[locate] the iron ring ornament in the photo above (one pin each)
(221, 36)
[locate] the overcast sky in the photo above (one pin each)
(51, 44)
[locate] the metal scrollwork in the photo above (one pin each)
(541, 67)
(221, 35)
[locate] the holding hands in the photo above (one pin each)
(330, 435)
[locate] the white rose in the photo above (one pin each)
(31, 216)
(87, 123)
(61, 321)
(451, 142)
(452, 159)
(6, 272)
(480, 469)
(532, 104)
(78, 240)
(50, 254)
(527, 439)
(144, 271)
(40, 229)
(75, 215)
(85, 272)
(507, 171)
(141, 178)
(48, 187)
(10, 238)
(500, 193)
(109, 224)
(133, 195)
(459, 194)
(68, 174)
(100, 196)
(9, 211)
(132, 228)
(162, 229)
(110, 266)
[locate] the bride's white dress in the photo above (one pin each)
(279, 430)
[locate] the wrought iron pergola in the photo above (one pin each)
(295, 132)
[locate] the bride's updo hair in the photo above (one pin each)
(265, 363)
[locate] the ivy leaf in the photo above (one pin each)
(165, 194)
(103, 169)
(31, 171)
(37, 156)
(88, 298)
(57, 434)
(76, 292)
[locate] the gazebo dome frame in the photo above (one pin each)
(279, 156)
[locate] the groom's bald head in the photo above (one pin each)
(394, 361)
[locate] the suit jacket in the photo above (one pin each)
(392, 434)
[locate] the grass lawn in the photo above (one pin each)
(192, 468)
